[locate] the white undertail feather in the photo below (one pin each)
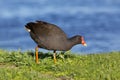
(28, 29)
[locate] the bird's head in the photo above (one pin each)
(79, 39)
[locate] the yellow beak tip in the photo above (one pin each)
(84, 44)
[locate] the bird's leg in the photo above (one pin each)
(54, 56)
(36, 54)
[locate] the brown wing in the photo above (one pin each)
(50, 35)
(44, 29)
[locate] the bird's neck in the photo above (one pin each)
(71, 42)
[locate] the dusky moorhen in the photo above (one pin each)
(51, 37)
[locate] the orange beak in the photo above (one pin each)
(83, 42)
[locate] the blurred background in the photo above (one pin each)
(97, 20)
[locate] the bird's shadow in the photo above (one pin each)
(42, 55)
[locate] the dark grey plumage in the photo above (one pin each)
(51, 37)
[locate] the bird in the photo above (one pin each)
(51, 37)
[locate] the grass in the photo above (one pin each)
(17, 65)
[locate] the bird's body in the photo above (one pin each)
(51, 37)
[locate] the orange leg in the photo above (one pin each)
(54, 56)
(36, 53)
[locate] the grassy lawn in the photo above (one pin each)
(17, 65)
